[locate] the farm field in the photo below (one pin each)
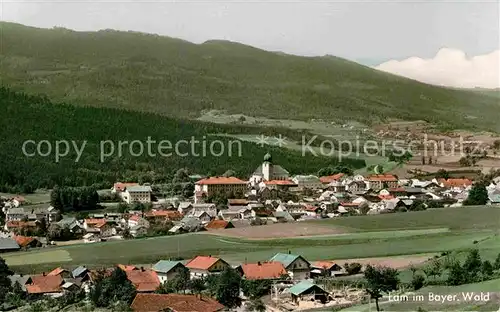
(38, 197)
(359, 244)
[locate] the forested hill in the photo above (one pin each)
(35, 118)
(177, 78)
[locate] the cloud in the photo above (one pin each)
(450, 67)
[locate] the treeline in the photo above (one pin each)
(67, 199)
(26, 117)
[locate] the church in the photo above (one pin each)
(268, 172)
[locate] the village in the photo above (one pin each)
(217, 205)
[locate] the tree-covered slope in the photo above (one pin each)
(177, 78)
(35, 118)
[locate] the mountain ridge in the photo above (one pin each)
(174, 77)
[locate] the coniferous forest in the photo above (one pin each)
(25, 117)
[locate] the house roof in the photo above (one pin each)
(119, 186)
(79, 271)
(164, 266)
(275, 170)
(126, 267)
(331, 178)
(237, 201)
(202, 262)
(56, 271)
(455, 182)
(264, 270)
(143, 280)
(305, 286)
(8, 244)
(171, 214)
(323, 264)
(138, 188)
(24, 241)
(20, 224)
(95, 222)
(175, 302)
(279, 182)
(220, 180)
(285, 259)
(45, 284)
(382, 178)
(218, 225)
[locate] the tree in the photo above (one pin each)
(227, 288)
(456, 274)
(5, 284)
(255, 305)
(434, 269)
(353, 268)
(472, 265)
(188, 190)
(255, 289)
(380, 280)
(496, 144)
(442, 174)
(497, 262)
(181, 281)
(111, 290)
(197, 285)
(478, 195)
(229, 173)
(182, 175)
(487, 269)
(417, 281)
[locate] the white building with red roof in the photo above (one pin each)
(218, 185)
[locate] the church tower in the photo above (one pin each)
(267, 167)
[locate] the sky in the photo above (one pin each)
(370, 32)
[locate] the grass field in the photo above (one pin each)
(446, 235)
(38, 197)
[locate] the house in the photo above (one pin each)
(218, 185)
(143, 280)
(119, 187)
(283, 216)
(331, 178)
(18, 201)
(184, 208)
(494, 198)
(8, 244)
(262, 271)
(91, 238)
(106, 230)
(297, 267)
(72, 224)
(91, 225)
(236, 213)
(126, 267)
(455, 183)
(198, 209)
(268, 171)
(167, 270)
(61, 272)
(15, 214)
(174, 302)
(80, 272)
(279, 185)
(137, 194)
(219, 225)
(308, 291)
(44, 284)
(203, 266)
(27, 242)
(137, 220)
(171, 215)
(308, 182)
(380, 181)
(356, 186)
(326, 268)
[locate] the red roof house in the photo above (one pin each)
(45, 284)
(262, 270)
(219, 225)
(203, 265)
(144, 280)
